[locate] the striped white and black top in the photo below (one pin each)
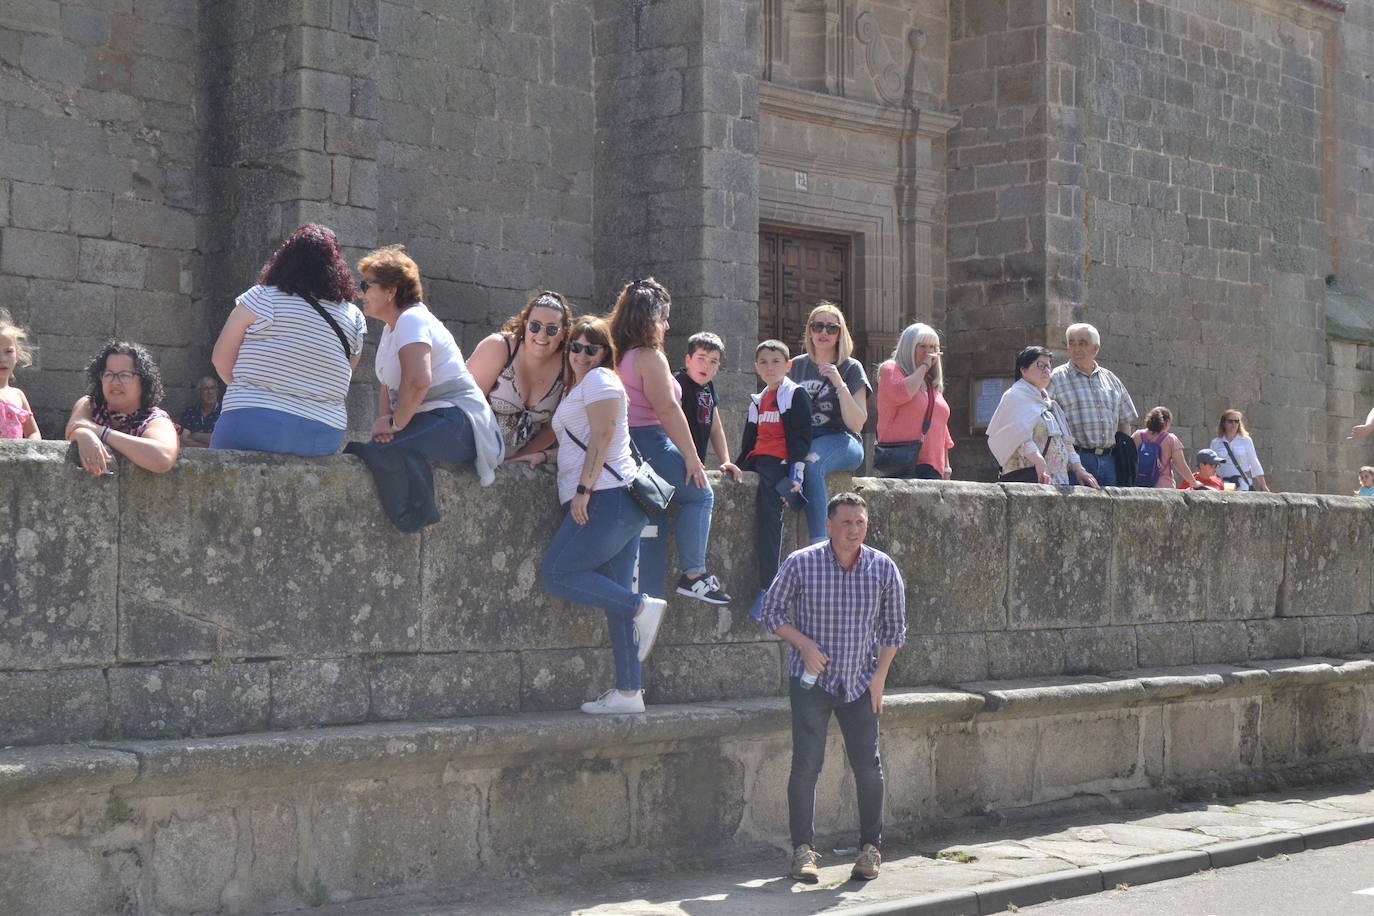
(291, 359)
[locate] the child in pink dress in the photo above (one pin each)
(16, 417)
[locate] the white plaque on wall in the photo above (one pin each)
(986, 394)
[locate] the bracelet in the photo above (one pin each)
(543, 456)
(103, 433)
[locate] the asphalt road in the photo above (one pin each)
(1336, 881)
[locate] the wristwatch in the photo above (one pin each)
(581, 489)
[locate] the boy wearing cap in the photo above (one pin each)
(1205, 478)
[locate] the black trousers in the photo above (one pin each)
(811, 711)
(768, 507)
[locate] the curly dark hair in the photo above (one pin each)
(150, 378)
(634, 319)
(309, 263)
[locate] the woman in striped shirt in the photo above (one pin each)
(288, 351)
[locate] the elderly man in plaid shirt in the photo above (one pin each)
(1094, 401)
(835, 602)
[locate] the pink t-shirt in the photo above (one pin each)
(641, 412)
(900, 416)
(1169, 445)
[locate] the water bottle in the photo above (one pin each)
(808, 680)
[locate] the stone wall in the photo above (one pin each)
(273, 822)
(1186, 176)
(101, 195)
(243, 592)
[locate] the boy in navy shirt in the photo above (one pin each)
(777, 438)
(700, 366)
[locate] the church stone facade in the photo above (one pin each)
(1192, 176)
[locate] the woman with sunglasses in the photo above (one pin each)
(592, 556)
(839, 390)
(520, 368)
(429, 407)
(1028, 433)
(120, 413)
(1240, 462)
(660, 431)
(288, 350)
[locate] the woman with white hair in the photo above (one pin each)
(913, 415)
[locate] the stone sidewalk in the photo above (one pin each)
(970, 870)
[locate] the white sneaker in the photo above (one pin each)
(613, 702)
(646, 624)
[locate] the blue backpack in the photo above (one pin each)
(1147, 463)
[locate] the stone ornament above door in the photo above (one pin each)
(895, 79)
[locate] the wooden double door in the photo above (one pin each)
(796, 270)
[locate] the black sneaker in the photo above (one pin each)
(707, 589)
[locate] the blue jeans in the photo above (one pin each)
(693, 523)
(261, 429)
(593, 564)
(1103, 467)
(835, 450)
(400, 468)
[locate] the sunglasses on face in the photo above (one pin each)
(1231, 420)
(122, 377)
(589, 349)
(552, 329)
(365, 285)
(824, 327)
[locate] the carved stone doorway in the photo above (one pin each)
(796, 270)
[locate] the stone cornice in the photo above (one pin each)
(849, 114)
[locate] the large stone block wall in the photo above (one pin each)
(103, 130)
(1203, 135)
(676, 166)
(487, 138)
(243, 592)
(273, 822)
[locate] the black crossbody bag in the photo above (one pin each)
(896, 457)
(343, 341)
(649, 491)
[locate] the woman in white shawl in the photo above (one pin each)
(1028, 434)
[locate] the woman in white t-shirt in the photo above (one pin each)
(428, 405)
(288, 350)
(1240, 463)
(592, 556)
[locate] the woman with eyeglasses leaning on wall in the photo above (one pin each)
(520, 369)
(1240, 463)
(120, 413)
(1028, 433)
(839, 390)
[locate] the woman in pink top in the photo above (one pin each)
(659, 430)
(911, 383)
(1156, 431)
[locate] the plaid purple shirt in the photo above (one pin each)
(846, 613)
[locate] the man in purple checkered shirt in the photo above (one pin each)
(835, 602)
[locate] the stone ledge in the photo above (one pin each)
(249, 760)
(34, 771)
(1043, 696)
